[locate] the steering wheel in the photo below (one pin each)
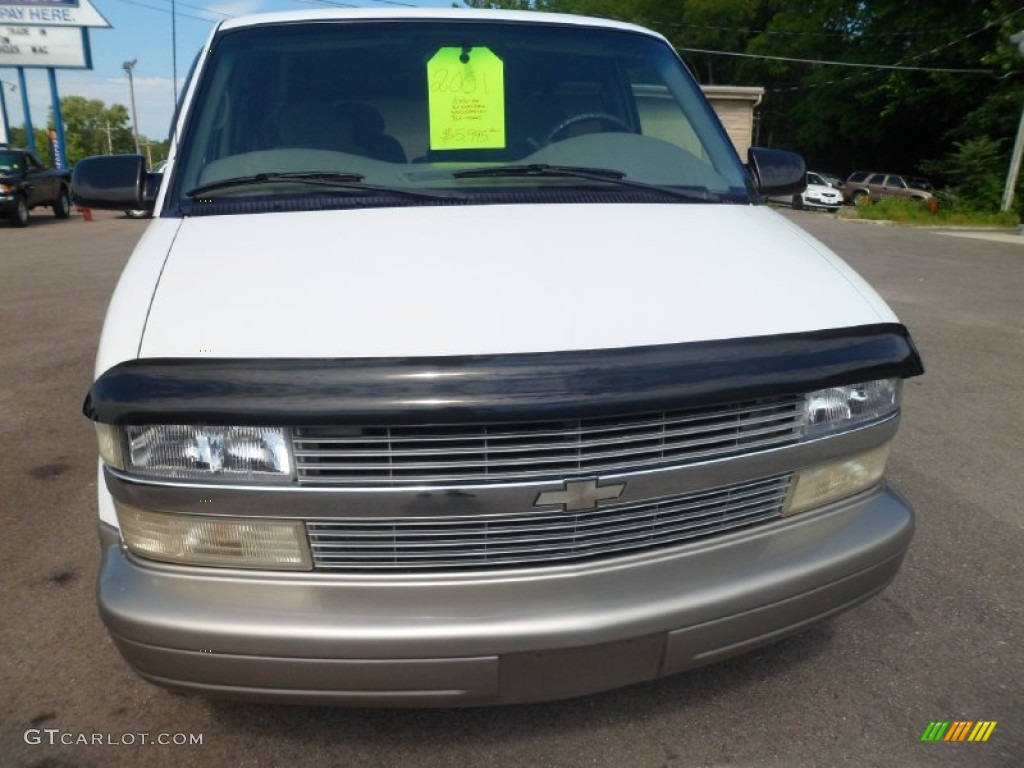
(604, 117)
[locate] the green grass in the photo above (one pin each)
(917, 214)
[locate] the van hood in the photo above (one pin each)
(433, 281)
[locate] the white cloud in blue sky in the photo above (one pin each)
(141, 30)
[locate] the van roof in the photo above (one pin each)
(428, 14)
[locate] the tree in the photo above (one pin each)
(93, 128)
(974, 171)
(897, 113)
(18, 138)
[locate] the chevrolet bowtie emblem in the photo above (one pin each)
(580, 494)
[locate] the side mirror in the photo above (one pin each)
(114, 182)
(777, 172)
(149, 193)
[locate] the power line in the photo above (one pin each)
(916, 57)
(204, 10)
(903, 65)
(168, 11)
(334, 4)
(831, 63)
(328, 3)
(822, 33)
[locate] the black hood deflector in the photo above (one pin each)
(495, 388)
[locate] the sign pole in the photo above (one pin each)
(6, 137)
(58, 121)
(30, 135)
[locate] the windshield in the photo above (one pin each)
(10, 161)
(400, 107)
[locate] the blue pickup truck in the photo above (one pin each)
(25, 183)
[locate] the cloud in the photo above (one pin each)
(154, 98)
(233, 8)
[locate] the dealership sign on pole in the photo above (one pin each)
(51, 13)
(63, 47)
(48, 34)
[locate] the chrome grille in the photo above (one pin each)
(542, 537)
(478, 454)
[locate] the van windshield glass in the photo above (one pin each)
(405, 106)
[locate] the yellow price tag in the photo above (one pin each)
(466, 99)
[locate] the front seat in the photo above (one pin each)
(368, 133)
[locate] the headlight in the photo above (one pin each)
(109, 438)
(228, 542)
(840, 408)
(181, 452)
(817, 486)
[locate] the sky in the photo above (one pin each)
(141, 30)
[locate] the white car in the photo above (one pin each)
(818, 194)
(461, 363)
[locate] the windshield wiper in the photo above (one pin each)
(608, 175)
(334, 179)
(311, 177)
(539, 169)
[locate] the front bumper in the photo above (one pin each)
(492, 638)
(818, 202)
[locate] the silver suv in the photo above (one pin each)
(863, 184)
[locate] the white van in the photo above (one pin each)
(461, 363)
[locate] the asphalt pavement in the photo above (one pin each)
(943, 643)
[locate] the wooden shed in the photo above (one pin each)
(735, 105)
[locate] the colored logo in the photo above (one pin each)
(959, 730)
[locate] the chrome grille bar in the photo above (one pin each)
(373, 449)
(543, 537)
(397, 456)
(510, 432)
(530, 522)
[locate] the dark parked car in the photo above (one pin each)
(25, 183)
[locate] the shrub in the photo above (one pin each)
(976, 171)
(949, 214)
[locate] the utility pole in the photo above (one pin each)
(1018, 144)
(129, 67)
(110, 138)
